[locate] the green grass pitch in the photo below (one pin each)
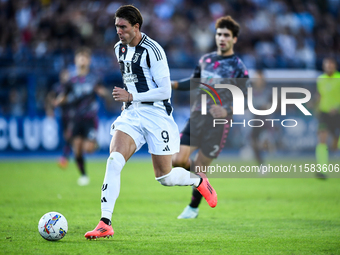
(253, 216)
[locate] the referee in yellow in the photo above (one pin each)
(328, 87)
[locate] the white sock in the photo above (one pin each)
(178, 176)
(111, 186)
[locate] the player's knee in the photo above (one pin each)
(90, 147)
(323, 136)
(77, 151)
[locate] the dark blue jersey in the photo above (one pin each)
(81, 95)
(216, 69)
(65, 107)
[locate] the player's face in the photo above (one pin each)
(126, 32)
(82, 60)
(329, 66)
(225, 41)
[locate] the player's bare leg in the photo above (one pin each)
(335, 142)
(78, 150)
(67, 148)
(321, 151)
(257, 151)
(182, 158)
(89, 146)
(122, 148)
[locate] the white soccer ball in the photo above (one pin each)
(53, 226)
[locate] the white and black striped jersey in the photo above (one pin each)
(141, 66)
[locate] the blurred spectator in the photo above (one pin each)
(17, 99)
(32, 29)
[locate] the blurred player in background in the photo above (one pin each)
(79, 93)
(147, 117)
(64, 76)
(228, 68)
(262, 100)
(328, 87)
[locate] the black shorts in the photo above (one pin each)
(330, 123)
(65, 123)
(85, 128)
(199, 132)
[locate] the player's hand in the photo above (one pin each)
(56, 102)
(174, 84)
(218, 111)
(121, 95)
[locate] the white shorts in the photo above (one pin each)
(151, 125)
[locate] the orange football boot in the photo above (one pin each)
(63, 162)
(102, 230)
(207, 191)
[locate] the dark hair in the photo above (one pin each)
(331, 59)
(131, 14)
(230, 23)
(83, 50)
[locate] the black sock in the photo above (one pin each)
(81, 165)
(195, 199)
(106, 221)
(67, 150)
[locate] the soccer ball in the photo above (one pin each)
(53, 226)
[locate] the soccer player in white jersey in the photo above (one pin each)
(147, 117)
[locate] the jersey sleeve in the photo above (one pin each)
(318, 84)
(99, 80)
(66, 88)
(242, 71)
(158, 62)
(198, 68)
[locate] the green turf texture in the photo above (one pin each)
(253, 216)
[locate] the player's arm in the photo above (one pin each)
(61, 98)
(184, 84)
(162, 92)
(49, 103)
(317, 95)
(243, 82)
(102, 92)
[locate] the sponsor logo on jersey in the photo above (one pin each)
(127, 78)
